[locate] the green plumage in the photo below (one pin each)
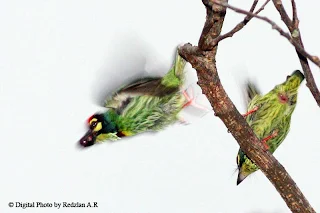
(148, 104)
(146, 112)
(271, 119)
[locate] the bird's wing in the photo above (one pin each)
(157, 86)
(256, 101)
(145, 86)
(175, 77)
(251, 91)
(141, 87)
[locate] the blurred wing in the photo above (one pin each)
(253, 99)
(252, 119)
(123, 96)
(146, 86)
(251, 91)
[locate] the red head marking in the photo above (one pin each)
(90, 118)
(283, 98)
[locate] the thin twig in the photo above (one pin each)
(295, 20)
(301, 50)
(285, 18)
(296, 36)
(262, 7)
(296, 41)
(254, 5)
(239, 26)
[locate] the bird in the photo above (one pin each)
(146, 104)
(269, 116)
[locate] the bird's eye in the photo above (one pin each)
(292, 102)
(288, 77)
(94, 124)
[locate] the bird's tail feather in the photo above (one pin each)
(179, 66)
(175, 76)
(251, 91)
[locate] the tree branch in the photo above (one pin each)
(296, 41)
(284, 16)
(299, 48)
(239, 26)
(262, 7)
(296, 37)
(204, 62)
(295, 20)
(213, 24)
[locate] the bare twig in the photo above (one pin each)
(300, 49)
(202, 58)
(285, 18)
(254, 5)
(296, 41)
(295, 20)
(296, 36)
(262, 7)
(239, 26)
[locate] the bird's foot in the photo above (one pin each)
(251, 111)
(264, 141)
(265, 145)
(191, 101)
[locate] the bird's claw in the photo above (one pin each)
(264, 141)
(251, 111)
(265, 145)
(191, 101)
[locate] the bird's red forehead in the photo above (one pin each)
(90, 118)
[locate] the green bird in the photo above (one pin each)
(269, 116)
(148, 104)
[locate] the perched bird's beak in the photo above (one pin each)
(241, 177)
(299, 74)
(88, 139)
(294, 81)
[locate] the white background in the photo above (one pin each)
(58, 57)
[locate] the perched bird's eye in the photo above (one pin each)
(292, 102)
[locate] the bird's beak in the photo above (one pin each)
(295, 80)
(88, 139)
(299, 75)
(241, 177)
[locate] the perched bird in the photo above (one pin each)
(269, 116)
(148, 104)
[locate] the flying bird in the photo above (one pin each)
(147, 104)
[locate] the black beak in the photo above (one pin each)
(88, 139)
(241, 177)
(299, 74)
(238, 181)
